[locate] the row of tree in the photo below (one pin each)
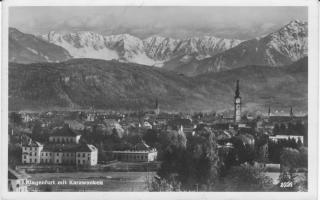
(290, 129)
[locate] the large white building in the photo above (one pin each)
(61, 149)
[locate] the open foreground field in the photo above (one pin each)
(110, 181)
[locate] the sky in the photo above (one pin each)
(176, 22)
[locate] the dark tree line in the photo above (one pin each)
(290, 129)
(275, 148)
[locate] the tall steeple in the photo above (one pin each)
(291, 111)
(237, 93)
(157, 109)
(237, 104)
(269, 111)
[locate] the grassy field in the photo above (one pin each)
(112, 181)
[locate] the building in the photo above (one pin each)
(74, 125)
(65, 135)
(286, 137)
(237, 105)
(62, 149)
(17, 181)
(86, 155)
(31, 152)
(140, 153)
(80, 155)
(157, 108)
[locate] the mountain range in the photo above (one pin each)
(80, 70)
(190, 56)
(116, 85)
(27, 48)
(154, 51)
(279, 48)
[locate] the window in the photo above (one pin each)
(41, 160)
(46, 154)
(83, 162)
(30, 160)
(79, 155)
(83, 155)
(30, 154)
(79, 161)
(35, 160)
(35, 153)
(25, 157)
(88, 158)
(57, 154)
(57, 160)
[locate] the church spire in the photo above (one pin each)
(269, 111)
(291, 111)
(157, 109)
(237, 93)
(156, 104)
(237, 104)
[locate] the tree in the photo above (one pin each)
(193, 163)
(151, 137)
(247, 177)
(201, 162)
(294, 158)
(162, 185)
(276, 129)
(15, 118)
(283, 128)
(244, 145)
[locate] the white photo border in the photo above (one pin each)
(313, 103)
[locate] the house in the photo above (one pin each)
(74, 125)
(147, 125)
(17, 181)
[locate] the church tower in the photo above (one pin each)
(291, 112)
(157, 109)
(237, 104)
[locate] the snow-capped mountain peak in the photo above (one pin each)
(154, 50)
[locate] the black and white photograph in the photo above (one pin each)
(142, 98)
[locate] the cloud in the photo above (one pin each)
(235, 22)
(267, 26)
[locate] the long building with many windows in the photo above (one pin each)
(140, 153)
(66, 151)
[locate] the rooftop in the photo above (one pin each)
(69, 148)
(65, 131)
(31, 143)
